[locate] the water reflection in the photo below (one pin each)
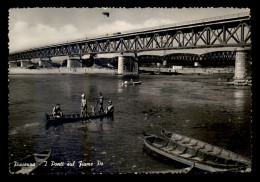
(104, 123)
(239, 98)
(120, 87)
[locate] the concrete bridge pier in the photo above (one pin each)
(240, 66)
(24, 63)
(68, 63)
(74, 62)
(45, 62)
(12, 64)
(120, 64)
(136, 64)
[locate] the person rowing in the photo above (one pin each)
(110, 108)
(56, 112)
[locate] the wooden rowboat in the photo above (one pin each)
(73, 117)
(28, 164)
(132, 83)
(193, 154)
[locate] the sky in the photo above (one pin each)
(35, 27)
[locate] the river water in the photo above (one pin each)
(198, 106)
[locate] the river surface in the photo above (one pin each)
(198, 106)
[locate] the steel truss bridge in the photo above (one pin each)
(215, 56)
(223, 31)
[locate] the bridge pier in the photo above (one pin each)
(120, 68)
(68, 63)
(74, 62)
(240, 67)
(12, 64)
(24, 63)
(45, 63)
(136, 64)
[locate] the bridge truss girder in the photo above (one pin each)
(203, 35)
(211, 56)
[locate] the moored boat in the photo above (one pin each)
(73, 117)
(30, 163)
(198, 157)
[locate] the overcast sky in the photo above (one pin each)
(33, 27)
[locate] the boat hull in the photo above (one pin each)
(206, 148)
(133, 83)
(73, 118)
(165, 148)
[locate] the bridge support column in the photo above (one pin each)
(74, 61)
(24, 63)
(12, 64)
(240, 66)
(120, 65)
(45, 62)
(136, 64)
(40, 62)
(68, 63)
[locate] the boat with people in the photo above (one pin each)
(132, 83)
(30, 163)
(73, 117)
(196, 153)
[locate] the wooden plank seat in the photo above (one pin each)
(200, 145)
(200, 156)
(225, 154)
(233, 156)
(189, 153)
(192, 143)
(176, 137)
(170, 146)
(185, 140)
(210, 158)
(159, 143)
(217, 151)
(208, 148)
(180, 149)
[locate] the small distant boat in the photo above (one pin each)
(137, 83)
(73, 117)
(196, 153)
(28, 164)
(132, 83)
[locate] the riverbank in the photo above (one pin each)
(91, 70)
(184, 70)
(63, 70)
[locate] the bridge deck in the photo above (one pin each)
(208, 32)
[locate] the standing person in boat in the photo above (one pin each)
(101, 99)
(110, 108)
(56, 112)
(83, 111)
